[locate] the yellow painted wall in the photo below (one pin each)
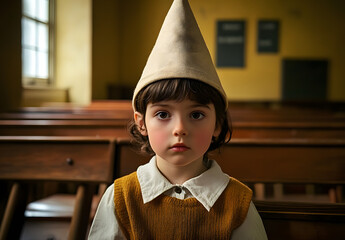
(101, 42)
(140, 22)
(309, 29)
(73, 48)
(105, 46)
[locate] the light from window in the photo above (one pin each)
(35, 40)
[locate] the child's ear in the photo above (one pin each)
(140, 122)
(217, 131)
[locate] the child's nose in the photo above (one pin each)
(180, 128)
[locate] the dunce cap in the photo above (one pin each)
(180, 52)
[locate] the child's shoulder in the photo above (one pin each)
(129, 177)
(127, 182)
(237, 186)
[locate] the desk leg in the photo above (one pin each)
(13, 220)
(81, 214)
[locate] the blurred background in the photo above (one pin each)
(82, 50)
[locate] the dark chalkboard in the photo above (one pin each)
(230, 43)
(268, 36)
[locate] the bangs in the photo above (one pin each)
(179, 90)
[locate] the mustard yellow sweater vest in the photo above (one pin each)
(170, 218)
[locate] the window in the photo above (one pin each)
(36, 42)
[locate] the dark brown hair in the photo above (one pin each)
(178, 90)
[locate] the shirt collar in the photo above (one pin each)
(206, 188)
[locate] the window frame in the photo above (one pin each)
(37, 81)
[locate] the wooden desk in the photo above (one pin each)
(87, 161)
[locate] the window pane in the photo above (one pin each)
(43, 10)
(35, 39)
(29, 32)
(42, 65)
(29, 63)
(29, 8)
(42, 37)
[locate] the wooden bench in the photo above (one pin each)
(118, 128)
(110, 118)
(293, 130)
(245, 112)
(59, 127)
(287, 112)
(307, 221)
(116, 110)
(98, 105)
(85, 115)
(85, 161)
(239, 111)
(275, 161)
(95, 120)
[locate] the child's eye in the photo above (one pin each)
(197, 115)
(162, 115)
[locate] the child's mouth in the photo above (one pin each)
(179, 147)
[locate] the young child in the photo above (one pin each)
(180, 115)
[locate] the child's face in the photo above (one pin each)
(179, 132)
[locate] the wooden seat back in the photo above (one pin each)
(264, 160)
(284, 160)
(308, 221)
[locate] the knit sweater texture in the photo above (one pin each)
(167, 217)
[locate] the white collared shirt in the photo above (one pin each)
(206, 188)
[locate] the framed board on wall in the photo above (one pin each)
(268, 36)
(230, 43)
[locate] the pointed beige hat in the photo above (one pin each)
(180, 52)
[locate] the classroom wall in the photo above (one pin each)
(310, 29)
(105, 46)
(102, 42)
(140, 22)
(73, 49)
